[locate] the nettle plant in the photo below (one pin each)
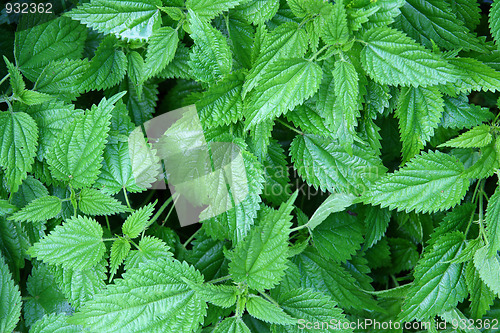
(370, 142)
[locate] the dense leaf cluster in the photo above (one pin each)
(368, 133)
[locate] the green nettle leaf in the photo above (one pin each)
(475, 75)
(232, 325)
(338, 237)
(437, 279)
(179, 66)
(119, 251)
(220, 295)
(467, 11)
(486, 165)
(86, 135)
(495, 20)
(266, 311)
(76, 244)
(18, 136)
(488, 268)
(325, 164)
(15, 79)
(335, 30)
(6, 208)
(161, 50)
(281, 89)
(39, 210)
(132, 19)
(481, 297)
(336, 202)
(149, 298)
(376, 224)
(10, 307)
(285, 42)
(94, 202)
(260, 259)
(81, 285)
(258, 11)
(55, 323)
(311, 306)
(56, 39)
(138, 220)
(150, 249)
(390, 57)
(419, 112)
(222, 103)
(346, 111)
(135, 69)
(458, 113)
(106, 69)
(431, 21)
(211, 56)
(430, 182)
(477, 137)
(208, 9)
(493, 223)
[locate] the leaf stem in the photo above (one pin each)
(160, 211)
(290, 127)
(266, 296)
(126, 197)
(224, 278)
(109, 239)
(190, 239)
(315, 55)
(4, 78)
(481, 215)
(300, 227)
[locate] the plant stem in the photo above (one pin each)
(319, 52)
(126, 198)
(191, 238)
(290, 127)
(160, 211)
(4, 78)
(266, 296)
(109, 239)
(481, 225)
(224, 278)
(300, 227)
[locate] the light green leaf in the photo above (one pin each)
(324, 164)
(81, 285)
(477, 137)
(495, 21)
(87, 137)
(488, 268)
(15, 78)
(131, 19)
(437, 279)
(150, 248)
(486, 165)
(428, 183)
(260, 259)
(119, 251)
(264, 310)
(6, 208)
(211, 56)
(346, 110)
(149, 298)
(286, 41)
(335, 30)
(41, 39)
(94, 202)
(76, 244)
(467, 11)
(135, 69)
(138, 220)
(258, 11)
(419, 112)
(220, 295)
(481, 297)
(313, 307)
(208, 9)
(232, 325)
(283, 87)
(336, 202)
(308, 118)
(62, 78)
(10, 306)
(387, 11)
(433, 20)
(474, 76)
(18, 144)
(390, 57)
(376, 223)
(55, 323)
(493, 223)
(161, 50)
(30, 97)
(106, 69)
(38, 210)
(179, 66)
(222, 103)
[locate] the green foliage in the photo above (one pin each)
(350, 151)
(76, 244)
